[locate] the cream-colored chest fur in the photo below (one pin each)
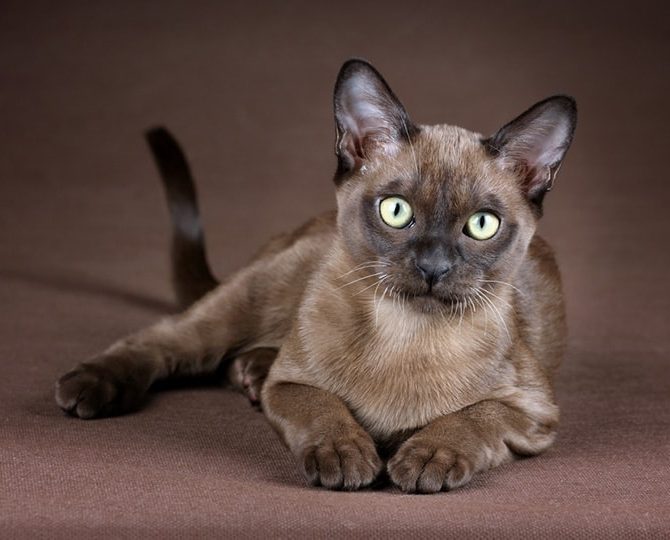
(397, 369)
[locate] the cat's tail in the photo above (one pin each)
(191, 275)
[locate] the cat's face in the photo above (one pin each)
(439, 226)
(437, 212)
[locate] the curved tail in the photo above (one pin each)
(191, 275)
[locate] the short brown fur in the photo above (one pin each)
(451, 381)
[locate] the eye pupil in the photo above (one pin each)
(482, 221)
(396, 210)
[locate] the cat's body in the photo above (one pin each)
(418, 338)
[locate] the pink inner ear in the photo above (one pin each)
(543, 143)
(353, 147)
(369, 116)
(535, 152)
(368, 125)
(537, 180)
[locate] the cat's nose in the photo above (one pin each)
(432, 268)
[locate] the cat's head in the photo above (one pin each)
(438, 211)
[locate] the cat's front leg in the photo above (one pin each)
(450, 450)
(333, 450)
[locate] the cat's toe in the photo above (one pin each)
(347, 462)
(90, 391)
(249, 370)
(426, 467)
(84, 392)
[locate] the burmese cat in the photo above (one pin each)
(420, 322)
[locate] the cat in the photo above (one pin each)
(415, 331)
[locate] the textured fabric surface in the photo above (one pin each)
(247, 89)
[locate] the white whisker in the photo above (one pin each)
(378, 306)
(478, 296)
(498, 297)
(381, 279)
(497, 312)
(502, 283)
(361, 279)
(365, 265)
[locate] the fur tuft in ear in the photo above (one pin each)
(534, 144)
(369, 118)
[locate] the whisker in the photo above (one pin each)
(451, 311)
(498, 297)
(374, 299)
(502, 283)
(478, 296)
(379, 305)
(361, 279)
(365, 265)
(383, 278)
(497, 312)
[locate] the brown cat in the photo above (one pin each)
(422, 321)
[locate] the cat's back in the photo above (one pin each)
(279, 273)
(317, 232)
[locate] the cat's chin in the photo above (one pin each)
(432, 304)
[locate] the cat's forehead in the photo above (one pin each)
(443, 148)
(444, 163)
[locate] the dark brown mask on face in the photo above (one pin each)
(440, 209)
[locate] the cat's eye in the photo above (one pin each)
(482, 225)
(396, 212)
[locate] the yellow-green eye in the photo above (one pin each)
(482, 225)
(396, 212)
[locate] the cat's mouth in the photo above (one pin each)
(430, 301)
(440, 297)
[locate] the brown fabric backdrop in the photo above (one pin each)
(247, 88)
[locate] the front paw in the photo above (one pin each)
(423, 465)
(346, 460)
(92, 390)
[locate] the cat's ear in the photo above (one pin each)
(534, 144)
(369, 118)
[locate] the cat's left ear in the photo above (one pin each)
(370, 120)
(534, 144)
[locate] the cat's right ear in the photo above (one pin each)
(369, 119)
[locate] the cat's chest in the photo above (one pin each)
(401, 372)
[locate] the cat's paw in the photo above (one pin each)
(348, 461)
(248, 371)
(92, 390)
(422, 465)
